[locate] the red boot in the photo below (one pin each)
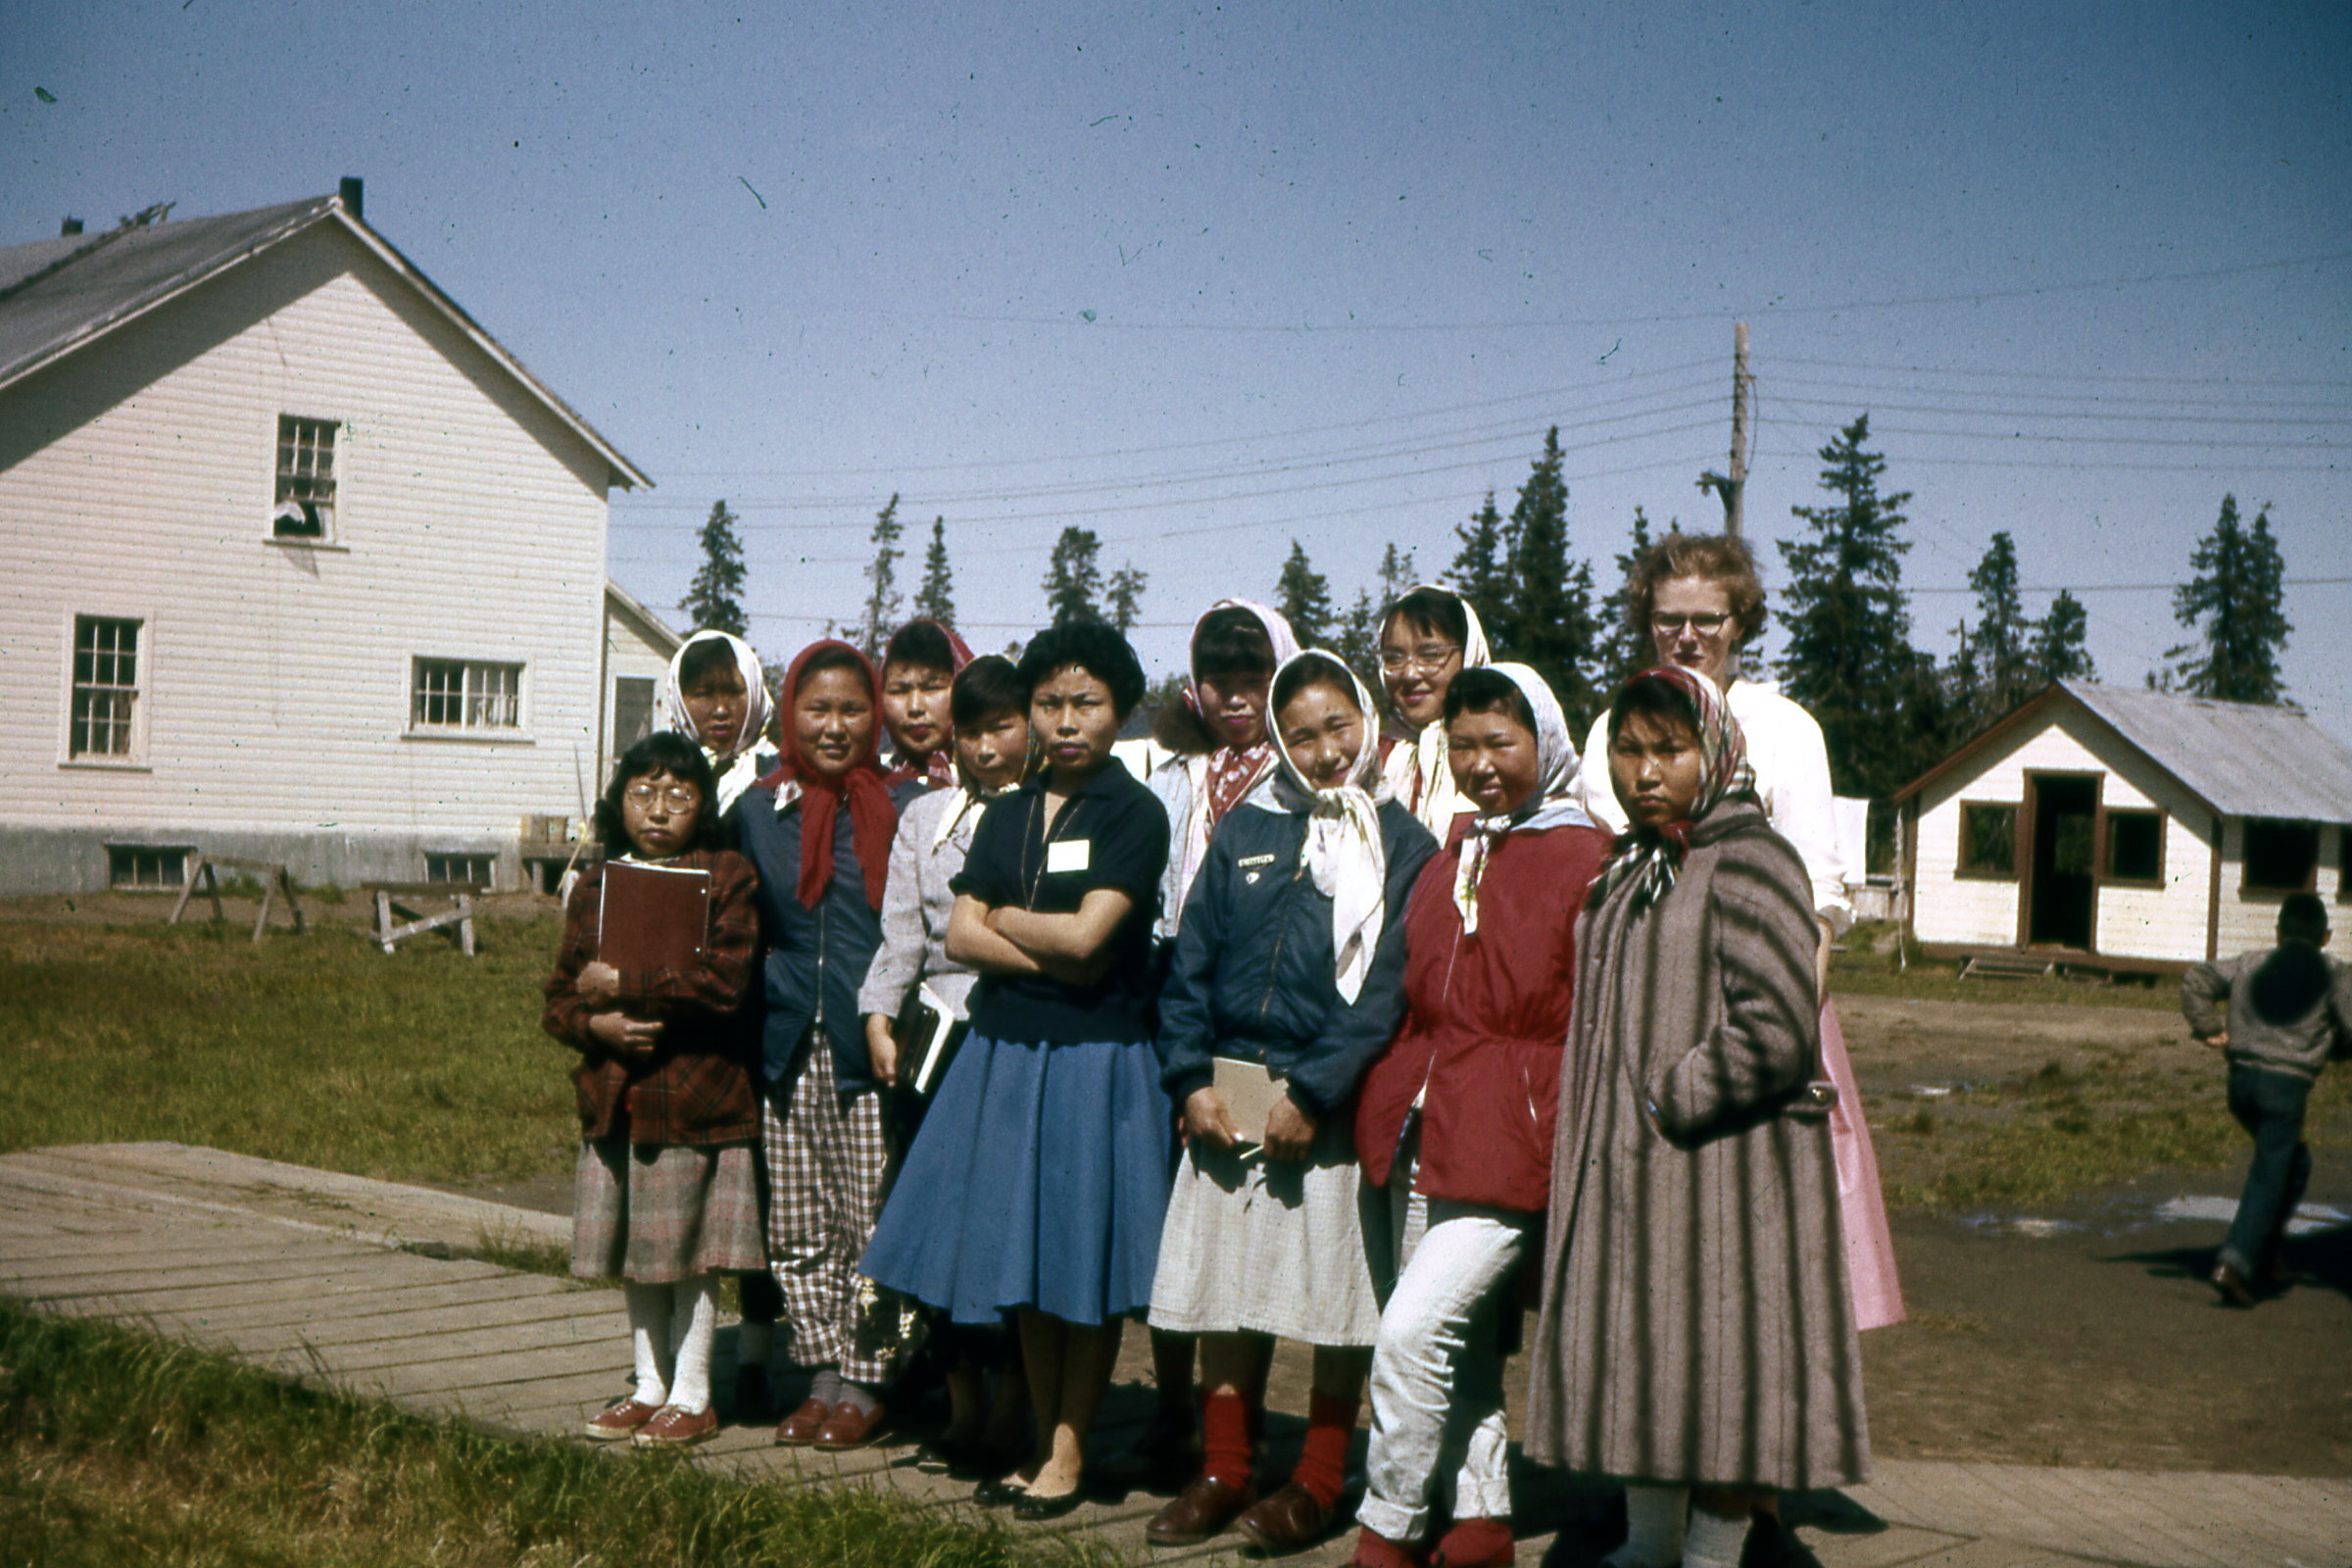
(1474, 1543)
(1376, 1551)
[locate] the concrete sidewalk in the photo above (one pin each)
(358, 1285)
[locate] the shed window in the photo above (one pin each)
(2282, 856)
(632, 711)
(106, 688)
(457, 694)
(469, 870)
(1987, 840)
(306, 479)
(2135, 847)
(146, 866)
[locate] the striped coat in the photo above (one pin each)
(1696, 1326)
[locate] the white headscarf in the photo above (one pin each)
(1191, 846)
(1416, 770)
(739, 769)
(1344, 853)
(1554, 803)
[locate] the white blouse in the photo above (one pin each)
(1793, 780)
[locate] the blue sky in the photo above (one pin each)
(1211, 279)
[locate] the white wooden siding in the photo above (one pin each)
(629, 653)
(470, 523)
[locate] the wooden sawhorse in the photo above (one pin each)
(390, 898)
(274, 881)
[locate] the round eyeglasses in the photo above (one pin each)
(1427, 660)
(678, 797)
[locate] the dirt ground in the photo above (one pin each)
(2076, 1334)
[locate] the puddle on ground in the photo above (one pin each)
(2124, 1215)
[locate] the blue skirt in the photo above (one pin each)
(1039, 1179)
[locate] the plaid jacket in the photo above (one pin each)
(697, 1086)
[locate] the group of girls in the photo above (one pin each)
(1536, 1029)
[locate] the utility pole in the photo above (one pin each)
(1731, 488)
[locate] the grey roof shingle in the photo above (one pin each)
(2243, 759)
(57, 294)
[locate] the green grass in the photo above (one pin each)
(1869, 966)
(314, 1049)
(119, 1447)
(2042, 1137)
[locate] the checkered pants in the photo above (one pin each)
(827, 1159)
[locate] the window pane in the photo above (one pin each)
(2281, 857)
(1988, 840)
(106, 681)
(2135, 846)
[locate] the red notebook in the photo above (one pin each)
(654, 916)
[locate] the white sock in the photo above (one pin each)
(1653, 1527)
(752, 1342)
(649, 1337)
(1713, 1541)
(694, 1322)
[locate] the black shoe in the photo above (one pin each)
(1030, 1509)
(2231, 1284)
(1001, 1492)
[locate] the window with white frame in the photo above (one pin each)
(147, 865)
(306, 479)
(460, 867)
(462, 695)
(104, 720)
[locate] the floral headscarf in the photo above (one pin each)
(1554, 803)
(1416, 769)
(1344, 853)
(739, 769)
(1650, 857)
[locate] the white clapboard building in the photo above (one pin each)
(2126, 830)
(300, 565)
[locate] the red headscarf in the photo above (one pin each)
(872, 818)
(940, 767)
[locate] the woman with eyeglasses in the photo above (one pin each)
(1699, 601)
(1428, 637)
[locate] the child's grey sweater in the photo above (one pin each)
(2300, 1046)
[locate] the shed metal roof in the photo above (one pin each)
(57, 295)
(2241, 758)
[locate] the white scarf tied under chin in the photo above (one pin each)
(739, 769)
(1417, 772)
(1554, 802)
(1345, 852)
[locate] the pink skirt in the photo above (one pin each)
(1869, 1246)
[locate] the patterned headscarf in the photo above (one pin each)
(1650, 857)
(1554, 803)
(739, 769)
(873, 820)
(937, 770)
(1222, 777)
(1344, 853)
(1416, 769)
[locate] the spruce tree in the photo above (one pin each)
(2061, 642)
(1624, 647)
(1126, 594)
(1546, 618)
(882, 598)
(1479, 572)
(935, 600)
(715, 598)
(1849, 659)
(1303, 597)
(1396, 575)
(2000, 652)
(1357, 640)
(1074, 578)
(2236, 604)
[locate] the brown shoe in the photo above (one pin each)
(618, 1423)
(800, 1429)
(2231, 1284)
(849, 1427)
(1292, 1519)
(1204, 1507)
(674, 1427)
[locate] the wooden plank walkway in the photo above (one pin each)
(330, 1279)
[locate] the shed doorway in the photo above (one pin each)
(2062, 887)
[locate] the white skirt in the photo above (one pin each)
(1269, 1247)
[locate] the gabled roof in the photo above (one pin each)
(629, 605)
(57, 295)
(2239, 759)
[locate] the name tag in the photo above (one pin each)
(1069, 854)
(1249, 861)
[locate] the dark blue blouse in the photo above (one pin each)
(816, 958)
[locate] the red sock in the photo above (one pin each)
(1330, 1426)
(1225, 1425)
(1474, 1543)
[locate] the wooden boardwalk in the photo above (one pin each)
(334, 1281)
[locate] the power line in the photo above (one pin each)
(2059, 375)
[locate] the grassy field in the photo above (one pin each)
(314, 1049)
(115, 1447)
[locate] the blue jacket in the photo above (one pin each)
(816, 958)
(1251, 974)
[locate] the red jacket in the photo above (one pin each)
(1485, 1020)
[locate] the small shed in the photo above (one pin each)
(2119, 829)
(638, 648)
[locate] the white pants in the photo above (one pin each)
(1437, 1373)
